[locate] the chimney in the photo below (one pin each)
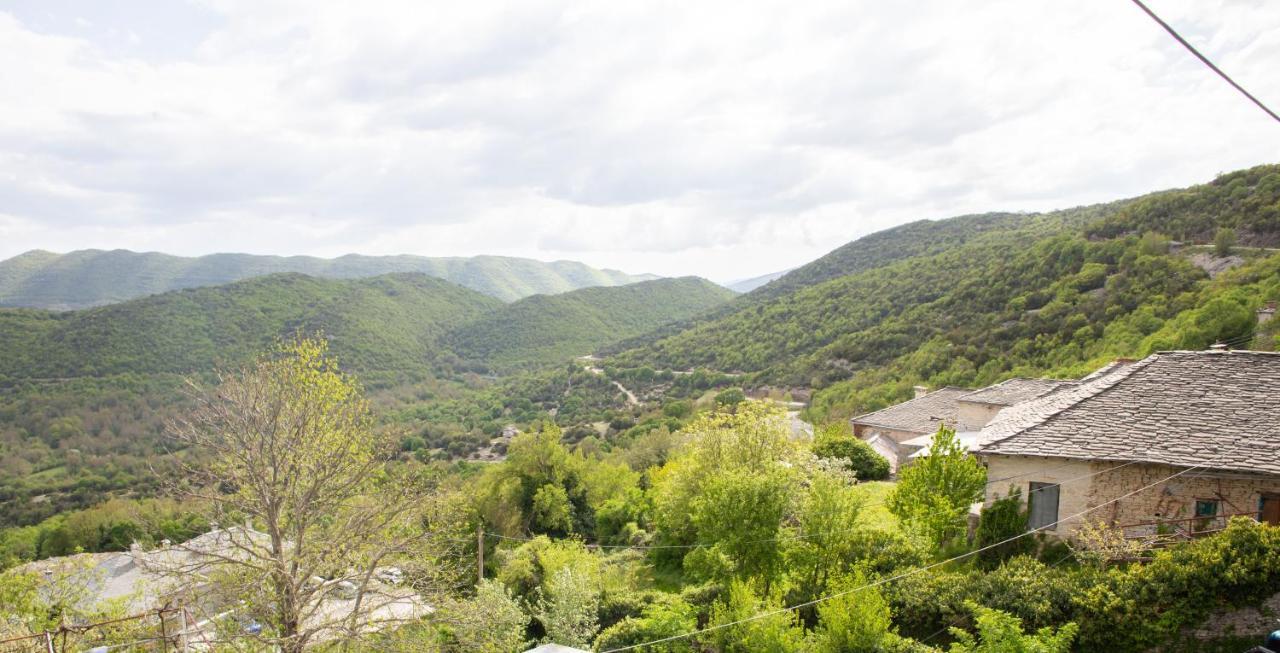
(920, 391)
(1266, 313)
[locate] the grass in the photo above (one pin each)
(875, 514)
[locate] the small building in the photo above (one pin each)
(888, 428)
(1175, 443)
(905, 431)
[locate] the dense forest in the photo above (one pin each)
(1059, 294)
(552, 329)
(84, 395)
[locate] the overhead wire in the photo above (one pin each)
(1191, 48)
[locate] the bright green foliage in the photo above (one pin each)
(1004, 519)
(857, 620)
(739, 513)
(1145, 607)
(490, 622)
(836, 441)
(778, 632)
(1000, 632)
(1224, 241)
(934, 492)
(552, 512)
(754, 440)
(661, 619)
(827, 519)
(568, 606)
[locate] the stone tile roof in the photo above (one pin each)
(919, 415)
(1217, 409)
(1015, 391)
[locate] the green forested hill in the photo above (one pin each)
(86, 278)
(556, 328)
(1052, 293)
(379, 323)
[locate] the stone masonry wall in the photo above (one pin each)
(1092, 484)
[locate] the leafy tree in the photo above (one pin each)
(1224, 241)
(1000, 632)
(753, 440)
(730, 397)
(857, 620)
(490, 622)
(827, 519)
(836, 441)
(567, 608)
(661, 619)
(552, 512)
(1004, 519)
(740, 513)
(934, 493)
(776, 632)
(291, 446)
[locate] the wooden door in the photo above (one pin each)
(1269, 509)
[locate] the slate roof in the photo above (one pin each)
(919, 415)
(1215, 409)
(1015, 391)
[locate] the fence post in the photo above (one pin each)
(48, 641)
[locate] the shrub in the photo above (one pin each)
(836, 442)
(1224, 241)
(1146, 607)
(1002, 520)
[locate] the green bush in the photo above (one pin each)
(1002, 520)
(836, 442)
(1146, 607)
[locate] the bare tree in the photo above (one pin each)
(287, 446)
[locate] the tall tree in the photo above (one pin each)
(287, 444)
(934, 493)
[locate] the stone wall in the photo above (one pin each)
(1243, 622)
(1173, 499)
(972, 415)
(1021, 471)
(1096, 484)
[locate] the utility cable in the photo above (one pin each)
(1205, 59)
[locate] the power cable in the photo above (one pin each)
(1205, 59)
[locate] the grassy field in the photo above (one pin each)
(875, 514)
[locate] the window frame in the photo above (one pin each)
(1035, 489)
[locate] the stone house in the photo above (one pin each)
(903, 431)
(1212, 418)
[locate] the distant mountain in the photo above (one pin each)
(388, 322)
(747, 285)
(556, 328)
(86, 278)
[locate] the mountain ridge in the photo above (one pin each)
(94, 277)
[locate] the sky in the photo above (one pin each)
(723, 139)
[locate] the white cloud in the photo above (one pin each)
(722, 139)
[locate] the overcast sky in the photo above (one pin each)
(725, 139)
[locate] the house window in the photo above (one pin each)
(1206, 514)
(1206, 507)
(1042, 506)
